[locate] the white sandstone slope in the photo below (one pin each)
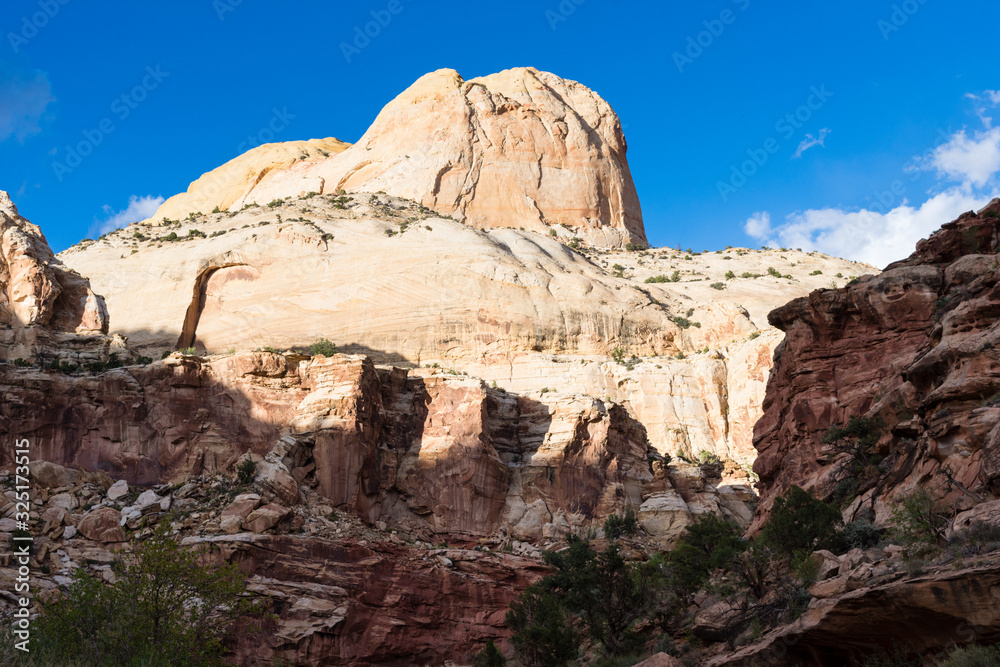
(221, 187)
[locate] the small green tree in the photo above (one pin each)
(709, 543)
(627, 524)
(164, 608)
(323, 347)
(920, 518)
(246, 470)
(542, 635)
(800, 524)
(489, 656)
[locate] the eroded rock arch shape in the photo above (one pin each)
(200, 293)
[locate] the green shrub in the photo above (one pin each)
(489, 656)
(552, 232)
(859, 439)
(730, 275)
(920, 518)
(773, 272)
(21, 363)
(861, 534)
(541, 633)
(188, 351)
(817, 272)
(275, 202)
(164, 609)
(974, 656)
(245, 471)
(800, 523)
(618, 354)
(323, 347)
(710, 542)
(718, 286)
(615, 526)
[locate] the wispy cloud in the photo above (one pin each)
(865, 236)
(23, 101)
(967, 165)
(811, 141)
(139, 208)
(986, 100)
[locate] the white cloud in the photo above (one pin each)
(865, 236)
(811, 141)
(139, 208)
(972, 159)
(759, 225)
(970, 162)
(23, 100)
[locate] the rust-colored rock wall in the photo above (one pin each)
(916, 348)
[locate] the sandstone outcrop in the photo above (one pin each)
(423, 450)
(225, 185)
(44, 307)
(921, 616)
(520, 148)
(913, 351)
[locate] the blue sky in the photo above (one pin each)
(893, 136)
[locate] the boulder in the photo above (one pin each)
(102, 525)
(64, 500)
(829, 564)
(275, 478)
(55, 515)
(118, 490)
(51, 476)
(231, 524)
(985, 514)
(242, 506)
(265, 518)
(716, 622)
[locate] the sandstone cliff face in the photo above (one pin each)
(42, 304)
(914, 348)
(521, 148)
(516, 308)
(426, 452)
